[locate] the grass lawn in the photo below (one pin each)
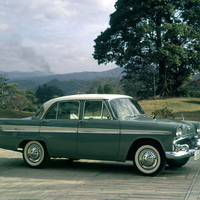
(5, 113)
(189, 107)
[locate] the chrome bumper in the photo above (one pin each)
(198, 143)
(183, 151)
(179, 154)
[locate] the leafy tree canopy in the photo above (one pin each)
(100, 90)
(108, 89)
(2, 85)
(91, 90)
(46, 93)
(148, 36)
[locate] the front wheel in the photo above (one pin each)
(149, 158)
(177, 162)
(35, 155)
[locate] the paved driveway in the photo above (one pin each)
(83, 179)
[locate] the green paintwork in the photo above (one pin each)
(106, 137)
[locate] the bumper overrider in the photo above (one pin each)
(181, 150)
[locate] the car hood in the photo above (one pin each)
(150, 123)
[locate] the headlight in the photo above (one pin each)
(179, 131)
(198, 130)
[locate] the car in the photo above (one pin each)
(101, 127)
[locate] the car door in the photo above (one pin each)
(59, 128)
(98, 133)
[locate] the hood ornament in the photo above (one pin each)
(154, 118)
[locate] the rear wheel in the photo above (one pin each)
(177, 162)
(35, 155)
(149, 158)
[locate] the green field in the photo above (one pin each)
(5, 113)
(189, 107)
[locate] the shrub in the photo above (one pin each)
(30, 108)
(195, 94)
(183, 92)
(164, 113)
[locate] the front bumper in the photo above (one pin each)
(180, 154)
(183, 151)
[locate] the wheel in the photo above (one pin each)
(35, 155)
(149, 158)
(177, 162)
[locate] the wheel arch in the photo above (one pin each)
(24, 142)
(137, 142)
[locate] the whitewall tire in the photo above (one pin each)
(34, 154)
(149, 158)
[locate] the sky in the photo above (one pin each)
(55, 36)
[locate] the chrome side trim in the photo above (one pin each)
(145, 132)
(48, 129)
(98, 131)
(11, 128)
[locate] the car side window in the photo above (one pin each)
(64, 110)
(68, 110)
(106, 114)
(96, 110)
(52, 112)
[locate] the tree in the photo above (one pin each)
(46, 93)
(91, 90)
(108, 89)
(30, 95)
(100, 90)
(39, 95)
(149, 35)
(2, 85)
(134, 87)
(31, 100)
(2, 89)
(14, 99)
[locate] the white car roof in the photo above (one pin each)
(87, 97)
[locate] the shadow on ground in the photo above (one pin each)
(62, 169)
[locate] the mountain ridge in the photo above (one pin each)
(69, 82)
(40, 75)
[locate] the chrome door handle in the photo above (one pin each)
(45, 121)
(83, 121)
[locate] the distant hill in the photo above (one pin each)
(115, 73)
(41, 75)
(69, 82)
(75, 86)
(17, 75)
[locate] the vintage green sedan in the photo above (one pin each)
(101, 127)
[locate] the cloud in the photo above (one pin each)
(3, 27)
(56, 35)
(15, 57)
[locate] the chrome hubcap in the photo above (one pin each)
(148, 159)
(34, 153)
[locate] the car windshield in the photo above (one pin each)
(126, 108)
(38, 113)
